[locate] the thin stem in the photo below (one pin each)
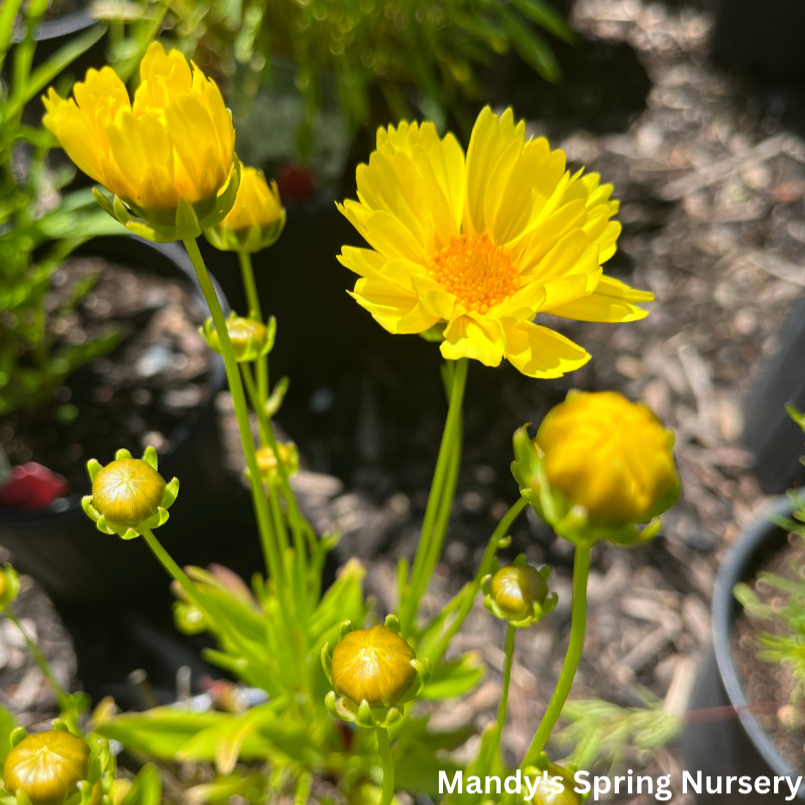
(483, 569)
(258, 406)
(267, 538)
(63, 697)
(384, 747)
(507, 673)
(253, 300)
(581, 570)
(420, 575)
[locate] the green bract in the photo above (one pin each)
(250, 239)
(125, 505)
(185, 222)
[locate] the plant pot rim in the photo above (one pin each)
(113, 248)
(740, 564)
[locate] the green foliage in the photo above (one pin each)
(420, 56)
(601, 732)
(38, 227)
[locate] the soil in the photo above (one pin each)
(153, 381)
(770, 686)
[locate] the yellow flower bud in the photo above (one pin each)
(548, 784)
(373, 665)
(255, 221)
(47, 766)
(267, 461)
(9, 586)
(127, 492)
(168, 155)
(516, 588)
(250, 339)
(609, 456)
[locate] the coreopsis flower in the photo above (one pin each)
(518, 593)
(47, 767)
(470, 250)
(599, 467)
(167, 157)
(129, 494)
(256, 220)
(374, 672)
(250, 339)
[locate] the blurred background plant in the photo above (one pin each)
(329, 69)
(39, 226)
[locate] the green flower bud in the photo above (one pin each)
(518, 593)
(554, 784)
(9, 586)
(47, 767)
(267, 461)
(129, 494)
(250, 339)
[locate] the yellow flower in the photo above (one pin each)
(373, 665)
(172, 148)
(47, 766)
(610, 456)
(477, 247)
(256, 220)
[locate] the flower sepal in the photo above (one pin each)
(518, 593)
(143, 502)
(251, 239)
(550, 776)
(250, 338)
(184, 222)
(376, 712)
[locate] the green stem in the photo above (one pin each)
(421, 572)
(581, 570)
(64, 699)
(267, 538)
(253, 300)
(384, 747)
(507, 673)
(435, 654)
(257, 406)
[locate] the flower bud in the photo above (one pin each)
(9, 586)
(373, 665)
(599, 466)
(188, 618)
(129, 494)
(554, 785)
(250, 339)
(255, 221)
(47, 766)
(267, 461)
(518, 593)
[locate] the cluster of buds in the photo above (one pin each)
(256, 220)
(518, 593)
(250, 338)
(601, 467)
(129, 494)
(374, 673)
(56, 767)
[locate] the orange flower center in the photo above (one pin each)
(478, 272)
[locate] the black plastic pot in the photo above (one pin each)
(61, 548)
(736, 743)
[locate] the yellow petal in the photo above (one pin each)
(542, 238)
(563, 291)
(480, 338)
(491, 139)
(520, 306)
(383, 232)
(611, 301)
(391, 307)
(432, 297)
(540, 352)
(75, 133)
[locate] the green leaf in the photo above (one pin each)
(454, 678)
(146, 789)
(8, 723)
(419, 771)
(546, 17)
(274, 401)
(531, 47)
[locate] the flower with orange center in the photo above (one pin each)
(473, 248)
